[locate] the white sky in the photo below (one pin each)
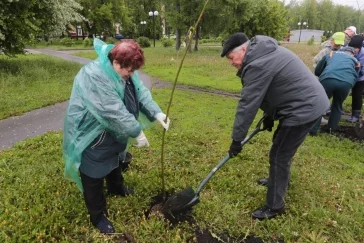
(351, 3)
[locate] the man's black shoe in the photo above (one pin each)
(267, 213)
(124, 191)
(263, 181)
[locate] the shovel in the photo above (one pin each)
(188, 197)
(359, 129)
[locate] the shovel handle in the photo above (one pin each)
(257, 129)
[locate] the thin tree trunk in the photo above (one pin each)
(178, 39)
(197, 37)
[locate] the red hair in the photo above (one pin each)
(128, 54)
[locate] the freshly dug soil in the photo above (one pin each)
(201, 235)
(346, 132)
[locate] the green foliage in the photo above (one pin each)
(323, 15)
(32, 81)
(258, 17)
(143, 41)
(166, 42)
(87, 42)
(311, 41)
(111, 40)
(21, 22)
(323, 39)
(324, 201)
(67, 42)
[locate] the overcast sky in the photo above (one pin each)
(351, 3)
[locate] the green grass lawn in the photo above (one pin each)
(205, 68)
(28, 82)
(325, 201)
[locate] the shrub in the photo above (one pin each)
(67, 41)
(311, 41)
(87, 42)
(323, 38)
(143, 41)
(166, 42)
(110, 40)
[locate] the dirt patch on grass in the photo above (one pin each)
(201, 235)
(345, 131)
(162, 84)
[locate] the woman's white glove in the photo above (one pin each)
(161, 117)
(141, 140)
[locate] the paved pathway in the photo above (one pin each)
(40, 121)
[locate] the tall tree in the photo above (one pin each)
(22, 21)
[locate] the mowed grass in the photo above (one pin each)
(205, 68)
(28, 82)
(325, 201)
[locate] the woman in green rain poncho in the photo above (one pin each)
(109, 105)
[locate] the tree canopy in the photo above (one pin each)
(21, 21)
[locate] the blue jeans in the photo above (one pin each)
(286, 141)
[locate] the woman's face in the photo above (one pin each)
(125, 73)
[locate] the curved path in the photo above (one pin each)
(42, 120)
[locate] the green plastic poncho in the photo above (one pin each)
(96, 104)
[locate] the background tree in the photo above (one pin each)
(22, 21)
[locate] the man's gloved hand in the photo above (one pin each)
(141, 140)
(160, 117)
(268, 123)
(235, 148)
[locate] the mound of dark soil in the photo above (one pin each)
(201, 235)
(345, 131)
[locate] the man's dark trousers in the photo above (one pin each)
(94, 194)
(286, 141)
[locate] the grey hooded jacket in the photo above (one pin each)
(279, 83)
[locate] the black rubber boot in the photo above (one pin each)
(267, 213)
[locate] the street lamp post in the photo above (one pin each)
(153, 14)
(299, 24)
(143, 22)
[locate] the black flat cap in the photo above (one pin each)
(233, 41)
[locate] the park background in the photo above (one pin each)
(325, 202)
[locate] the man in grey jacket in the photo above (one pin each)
(277, 81)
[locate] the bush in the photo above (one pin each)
(311, 41)
(166, 42)
(323, 39)
(67, 41)
(87, 42)
(110, 40)
(143, 41)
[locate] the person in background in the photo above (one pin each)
(335, 43)
(277, 81)
(337, 72)
(358, 89)
(103, 114)
(349, 33)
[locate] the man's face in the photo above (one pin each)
(349, 32)
(125, 73)
(236, 57)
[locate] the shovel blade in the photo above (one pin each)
(181, 201)
(359, 130)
